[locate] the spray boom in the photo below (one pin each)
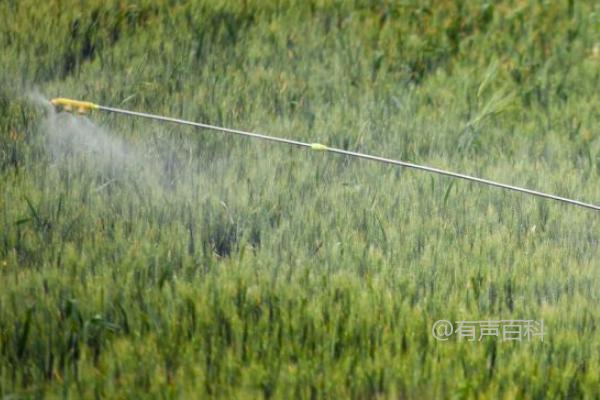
(83, 107)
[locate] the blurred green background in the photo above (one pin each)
(157, 261)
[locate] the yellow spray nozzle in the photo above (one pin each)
(82, 107)
(318, 146)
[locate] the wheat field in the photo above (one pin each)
(148, 260)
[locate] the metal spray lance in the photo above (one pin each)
(83, 107)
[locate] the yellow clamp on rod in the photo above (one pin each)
(318, 147)
(81, 107)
